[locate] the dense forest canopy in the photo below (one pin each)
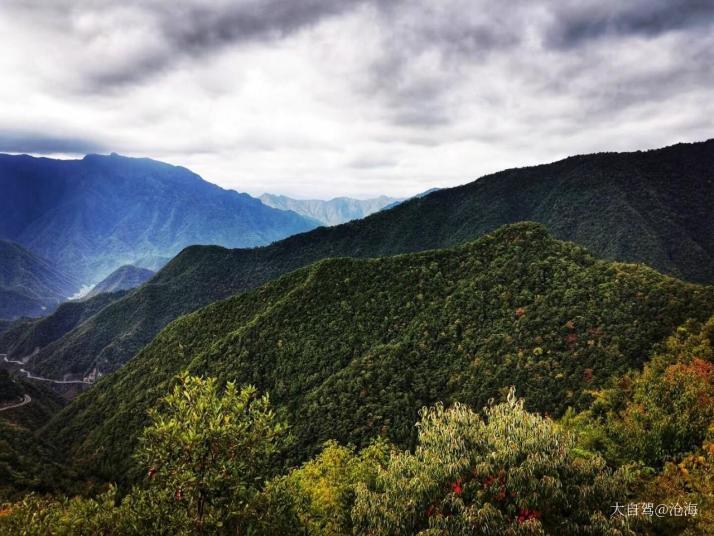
(352, 349)
(555, 385)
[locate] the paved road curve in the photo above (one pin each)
(25, 400)
(40, 378)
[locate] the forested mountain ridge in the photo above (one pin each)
(91, 216)
(351, 349)
(652, 207)
(30, 285)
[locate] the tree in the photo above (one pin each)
(318, 496)
(511, 473)
(689, 483)
(661, 413)
(206, 455)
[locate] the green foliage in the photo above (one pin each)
(663, 412)
(10, 391)
(35, 515)
(207, 455)
(353, 348)
(27, 464)
(510, 472)
(690, 481)
(318, 496)
(45, 403)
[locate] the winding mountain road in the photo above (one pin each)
(40, 378)
(4, 357)
(26, 399)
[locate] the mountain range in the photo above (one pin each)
(91, 216)
(650, 207)
(30, 285)
(331, 212)
(351, 349)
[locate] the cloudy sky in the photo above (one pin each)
(317, 98)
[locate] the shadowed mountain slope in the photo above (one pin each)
(125, 277)
(26, 336)
(91, 216)
(30, 285)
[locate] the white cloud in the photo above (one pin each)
(318, 99)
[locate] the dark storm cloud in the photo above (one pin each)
(195, 28)
(542, 37)
(202, 27)
(578, 22)
(29, 142)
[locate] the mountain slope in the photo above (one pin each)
(353, 348)
(653, 207)
(93, 215)
(29, 285)
(24, 337)
(27, 463)
(331, 212)
(123, 278)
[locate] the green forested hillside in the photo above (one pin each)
(24, 337)
(652, 207)
(10, 391)
(351, 349)
(27, 463)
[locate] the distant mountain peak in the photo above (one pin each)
(91, 215)
(332, 211)
(123, 278)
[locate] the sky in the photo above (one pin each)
(320, 98)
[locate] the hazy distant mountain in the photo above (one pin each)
(332, 212)
(123, 278)
(29, 285)
(91, 216)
